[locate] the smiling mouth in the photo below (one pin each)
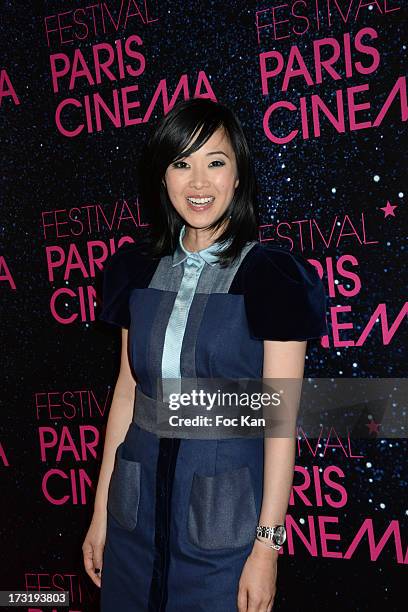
(201, 201)
(198, 205)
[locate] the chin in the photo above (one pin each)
(200, 219)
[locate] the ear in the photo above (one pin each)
(236, 183)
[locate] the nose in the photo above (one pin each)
(199, 178)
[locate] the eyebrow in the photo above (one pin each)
(211, 153)
(218, 153)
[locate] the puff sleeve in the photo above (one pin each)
(125, 269)
(284, 296)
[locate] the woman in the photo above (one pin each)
(181, 524)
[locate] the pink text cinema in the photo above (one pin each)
(104, 62)
(348, 111)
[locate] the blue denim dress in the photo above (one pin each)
(182, 512)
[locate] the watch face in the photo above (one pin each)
(279, 535)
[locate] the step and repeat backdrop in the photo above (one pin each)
(320, 88)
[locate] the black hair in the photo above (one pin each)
(166, 145)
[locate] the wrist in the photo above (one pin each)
(261, 551)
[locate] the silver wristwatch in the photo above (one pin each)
(276, 534)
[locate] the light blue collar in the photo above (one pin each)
(208, 254)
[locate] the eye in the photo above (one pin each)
(218, 161)
(177, 164)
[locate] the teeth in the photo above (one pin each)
(200, 201)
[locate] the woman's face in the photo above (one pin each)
(201, 185)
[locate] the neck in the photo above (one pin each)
(199, 239)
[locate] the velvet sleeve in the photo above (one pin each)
(284, 296)
(126, 269)
(115, 288)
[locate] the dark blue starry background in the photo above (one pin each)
(336, 174)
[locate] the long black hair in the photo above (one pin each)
(166, 145)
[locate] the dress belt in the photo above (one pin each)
(153, 415)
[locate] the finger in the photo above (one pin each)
(252, 607)
(255, 605)
(98, 559)
(98, 565)
(242, 600)
(97, 579)
(87, 550)
(90, 565)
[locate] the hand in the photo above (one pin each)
(93, 547)
(257, 584)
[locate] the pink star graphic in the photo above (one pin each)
(373, 427)
(389, 209)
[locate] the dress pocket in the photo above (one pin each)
(124, 490)
(222, 511)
